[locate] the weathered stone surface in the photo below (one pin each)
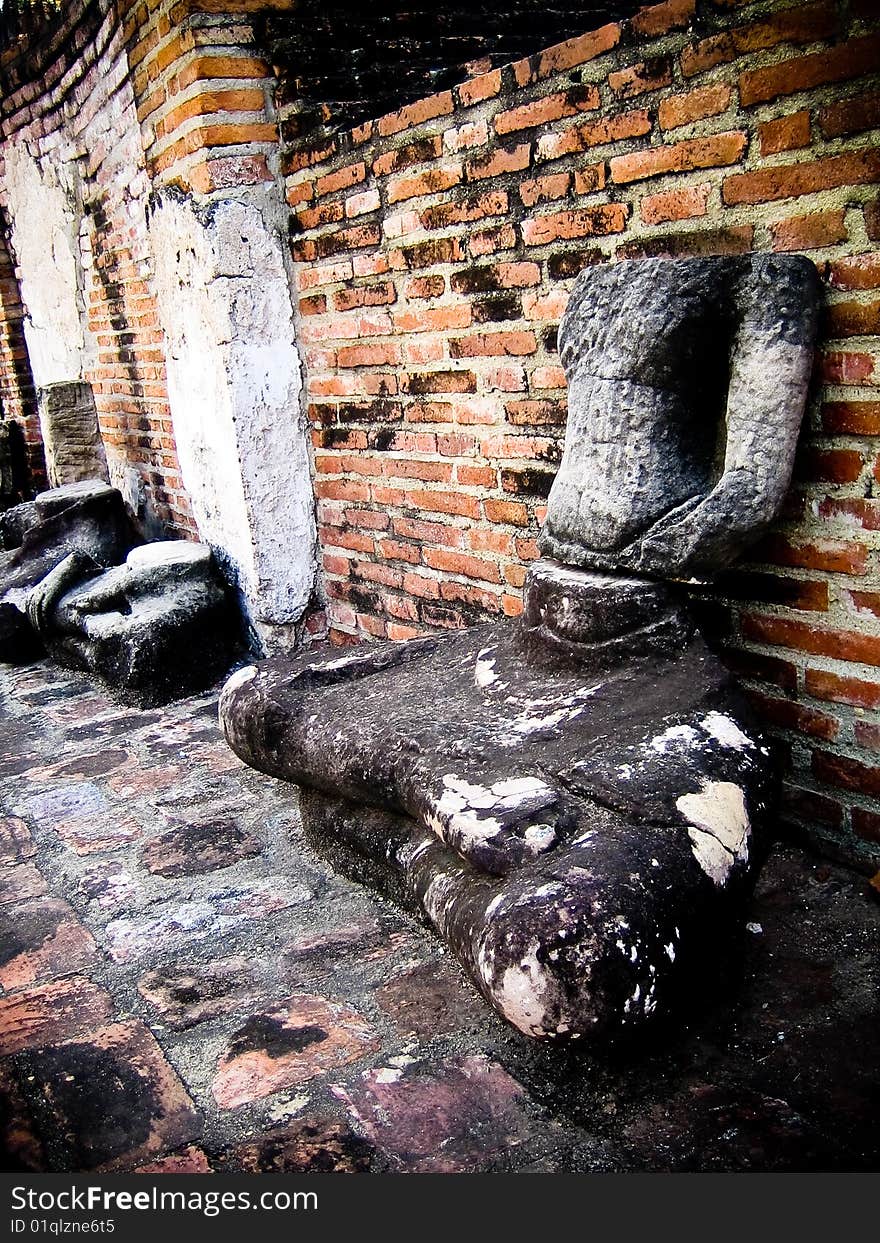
(40, 939)
(52, 1012)
(16, 842)
(157, 627)
(71, 439)
(686, 387)
(20, 882)
(192, 849)
(205, 917)
(187, 995)
(575, 829)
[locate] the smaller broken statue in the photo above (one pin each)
(576, 801)
(157, 626)
(87, 517)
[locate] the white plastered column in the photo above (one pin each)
(234, 381)
(45, 220)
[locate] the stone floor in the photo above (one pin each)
(186, 986)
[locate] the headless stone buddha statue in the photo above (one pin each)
(575, 801)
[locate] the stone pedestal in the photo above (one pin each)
(573, 802)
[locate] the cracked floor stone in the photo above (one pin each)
(186, 986)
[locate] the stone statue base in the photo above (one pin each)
(573, 801)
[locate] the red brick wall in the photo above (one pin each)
(434, 252)
(75, 101)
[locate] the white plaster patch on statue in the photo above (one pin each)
(675, 735)
(484, 670)
(725, 731)
(439, 896)
(387, 1074)
(718, 829)
(520, 995)
(240, 678)
(539, 837)
(346, 662)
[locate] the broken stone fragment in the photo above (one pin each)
(159, 626)
(86, 518)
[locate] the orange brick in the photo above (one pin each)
(493, 344)
(660, 19)
(849, 116)
(846, 773)
(682, 204)
(432, 181)
(849, 60)
(380, 294)
(594, 134)
(439, 105)
(853, 319)
(856, 272)
(790, 180)
(712, 152)
(823, 684)
(418, 152)
(548, 108)
(638, 79)
(785, 134)
(514, 513)
(802, 636)
(501, 160)
(383, 353)
(435, 319)
(204, 68)
(809, 232)
(342, 179)
(579, 50)
(830, 465)
(785, 714)
(452, 562)
(799, 24)
(583, 222)
(704, 101)
(465, 211)
(544, 189)
(486, 86)
(590, 179)
(855, 418)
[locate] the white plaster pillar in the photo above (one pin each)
(44, 218)
(234, 379)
